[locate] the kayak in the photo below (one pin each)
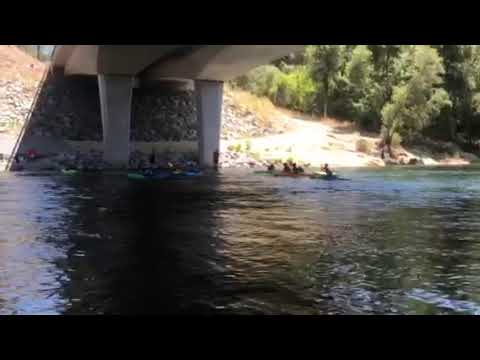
(317, 176)
(69, 172)
(324, 177)
(280, 173)
(263, 173)
(327, 177)
(293, 175)
(164, 175)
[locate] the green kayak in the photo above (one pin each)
(263, 173)
(281, 174)
(327, 177)
(136, 176)
(316, 176)
(69, 172)
(165, 175)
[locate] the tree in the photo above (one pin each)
(325, 63)
(418, 98)
(385, 77)
(462, 82)
(363, 90)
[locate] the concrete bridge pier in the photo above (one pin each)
(116, 109)
(209, 99)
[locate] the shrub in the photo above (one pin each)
(256, 156)
(396, 140)
(294, 89)
(248, 146)
(262, 81)
(363, 146)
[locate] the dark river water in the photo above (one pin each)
(402, 241)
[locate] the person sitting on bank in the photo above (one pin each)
(286, 168)
(271, 168)
(327, 170)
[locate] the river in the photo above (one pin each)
(396, 241)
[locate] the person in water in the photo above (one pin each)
(216, 159)
(327, 170)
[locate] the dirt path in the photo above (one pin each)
(312, 142)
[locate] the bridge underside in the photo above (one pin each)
(119, 68)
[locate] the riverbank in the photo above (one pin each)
(316, 142)
(305, 141)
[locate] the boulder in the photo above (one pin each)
(469, 156)
(391, 162)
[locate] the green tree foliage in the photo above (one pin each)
(297, 90)
(325, 63)
(462, 81)
(262, 81)
(418, 98)
(403, 91)
(364, 91)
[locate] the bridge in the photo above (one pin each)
(121, 68)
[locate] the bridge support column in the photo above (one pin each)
(116, 107)
(209, 98)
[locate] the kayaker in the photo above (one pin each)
(148, 172)
(152, 158)
(327, 170)
(216, 159)
(32, 154)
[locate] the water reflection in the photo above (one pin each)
(387, 242)
(32, 240)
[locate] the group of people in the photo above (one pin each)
(292, 168)
(152, 167)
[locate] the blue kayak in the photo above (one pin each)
(164, 175)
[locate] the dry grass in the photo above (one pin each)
(363, 146)
(18, 65)
(261, 106)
